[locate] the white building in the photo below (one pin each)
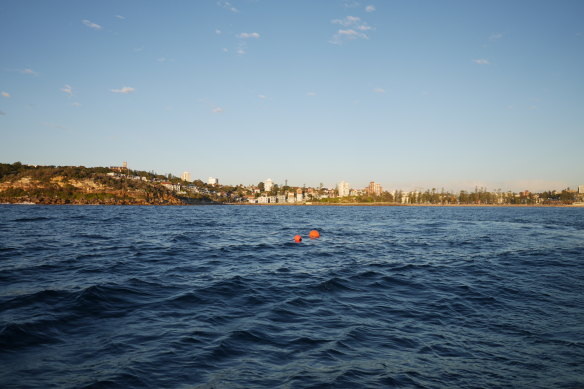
(186, 176)
(213, 181)
(343, 188)
(581, 189)
(268, 185)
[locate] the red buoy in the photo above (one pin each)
(314, 234)
(297, 239)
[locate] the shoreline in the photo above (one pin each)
(414, 205)
(581, 205)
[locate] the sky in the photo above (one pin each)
(408, 93)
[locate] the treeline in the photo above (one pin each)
(478, 197)
(46, 173)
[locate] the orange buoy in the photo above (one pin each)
(297, 239)
(314, 234)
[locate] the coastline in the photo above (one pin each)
(581, 205)
(413, 205)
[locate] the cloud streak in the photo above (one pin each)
(354, 29)
(124, 90)
(247, 35)
(91, 25)
(67, 89)
(29, 71)
(5, 94)
(217, 110)
(227, 5)
(481, 61)
(243, 37)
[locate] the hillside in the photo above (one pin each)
(80, 185)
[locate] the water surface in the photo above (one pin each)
(221, 297)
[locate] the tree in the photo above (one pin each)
(261, 186)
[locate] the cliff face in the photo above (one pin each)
(96, 189)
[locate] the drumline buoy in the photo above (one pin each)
(297, 239)
(314, 234)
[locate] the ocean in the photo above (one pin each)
(222, 297)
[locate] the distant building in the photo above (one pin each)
(171, 186)
(213, 181)
(186, 176)
(121, 169)
(343, 188)
(374, 189)
(581, 189)
(268, 185)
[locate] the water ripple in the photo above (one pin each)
(213, 297)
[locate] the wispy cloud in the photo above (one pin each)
(217, 110)
(124, 89)
(76, 104)
(496, 36)
(348, 34)
(119, 17)
(347, 21)
(481, 61)
(351, 4)
(263, 97)
(92, 25)
(67, 89)
(379, 90)
(243, 37)
(246, 35)
(227, 5)
(354, 28)
(29, 71)
(218, 31)
(5, 94)
(311, 94)
(370, 8)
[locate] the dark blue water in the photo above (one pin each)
(221, 297)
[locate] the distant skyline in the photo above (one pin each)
(410, 94)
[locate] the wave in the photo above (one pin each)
(31, 219)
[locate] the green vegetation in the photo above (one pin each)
(80, 185)
(479, 197)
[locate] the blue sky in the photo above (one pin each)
(411, 94)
